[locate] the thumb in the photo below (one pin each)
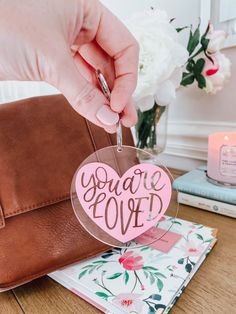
(84, 97)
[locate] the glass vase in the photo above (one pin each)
(151, 131)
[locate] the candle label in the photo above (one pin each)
(228, 161)
(127, 206)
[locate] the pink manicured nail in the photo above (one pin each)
(107, 116)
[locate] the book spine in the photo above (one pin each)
(204, 192)
(207, 204)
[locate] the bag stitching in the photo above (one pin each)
(2, 220)
(35, 206)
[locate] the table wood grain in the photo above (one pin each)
(211, 291)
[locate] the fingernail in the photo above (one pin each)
(107, 116)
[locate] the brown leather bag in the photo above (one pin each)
(42, 142)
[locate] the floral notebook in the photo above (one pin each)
(142, 280)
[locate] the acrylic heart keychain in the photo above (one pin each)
(117, 199)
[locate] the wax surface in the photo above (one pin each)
(222, 157)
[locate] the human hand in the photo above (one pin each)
(63, 42)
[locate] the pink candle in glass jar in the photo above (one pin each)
(221, 166)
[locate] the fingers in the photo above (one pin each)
(91, 57)
(84, 97)
(85, 69)
(129, 115)
(99, 59)
(123, 48)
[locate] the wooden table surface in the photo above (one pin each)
(211, 291)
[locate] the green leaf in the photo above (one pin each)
(207, 30)
(155, 296)
(160, 284)
(201, 81)
(145, 273)
(99, 266)
(152, 279)
(91, 270)
(180, 29)
(149, 268)
(194, 39)
(151, 310)
(107, 255)
(102, 295)
(100, 262)
(190, 65)
(87, 266)
(188, 268)
(177, 222)
(82, 274)
(199, 236)
(181, 261)
(205, 42)
(163, 307)
(160, 275)
(187, 79)
(144, 248)
(199, 226)
(208, 241)
(116, 275)
(126, 277)
(190, 40)
(109, 252)
(199, 66)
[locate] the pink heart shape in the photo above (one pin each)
(127, 206)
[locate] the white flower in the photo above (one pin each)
(217, 39)
(160, 56)
(165, 93)
(145, 103)
(216, 73)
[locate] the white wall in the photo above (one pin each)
(13, 90)
(194, 115)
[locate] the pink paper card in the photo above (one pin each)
(166, 239)
(123, 206)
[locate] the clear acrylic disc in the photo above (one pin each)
(101, 213)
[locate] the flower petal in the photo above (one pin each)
(146, 103)
(165, 94)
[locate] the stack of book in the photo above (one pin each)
(142, 280)
(195, 190)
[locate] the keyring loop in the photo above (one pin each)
(103, 84)
(119, 137)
